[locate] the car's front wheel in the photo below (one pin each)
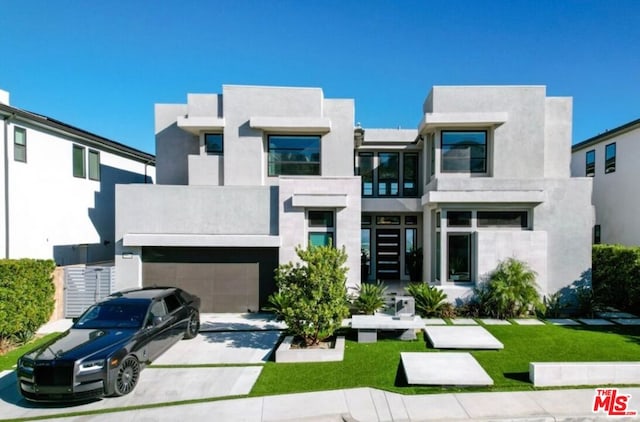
(127, 377)
(193, 327)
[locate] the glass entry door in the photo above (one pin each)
(388, 254)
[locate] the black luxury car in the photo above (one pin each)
(104, 351)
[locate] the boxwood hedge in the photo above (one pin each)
(616, 276)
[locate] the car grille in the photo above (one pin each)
(50, 375)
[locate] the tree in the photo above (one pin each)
(313, 294)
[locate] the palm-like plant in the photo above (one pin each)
(370, 298)
(511, 291)
(430, 300)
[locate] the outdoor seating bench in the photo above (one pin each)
(554, 374)
(368, 326)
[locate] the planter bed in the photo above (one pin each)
(285, 353)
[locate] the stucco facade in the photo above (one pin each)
(47, 211)
(614, 170)
(257, 171)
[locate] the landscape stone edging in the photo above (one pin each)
(285, 353)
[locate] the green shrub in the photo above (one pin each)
(510, 291)
(277, 303)
(616, 276)
(313, 293)
(26, 296)
(430, 300)
(370, 298)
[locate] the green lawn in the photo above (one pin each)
(8, 360)
(377, 364)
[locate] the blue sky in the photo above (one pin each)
(102, 65)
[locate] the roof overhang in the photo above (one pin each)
(196, 125)
(316, 125)
(201, 240)
(307, 200)
(461, 120)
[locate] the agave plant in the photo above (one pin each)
(430, 301)
(278, 302)
(370, 298)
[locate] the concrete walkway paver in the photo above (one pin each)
(494, 321)
(595, 321)
(461, 337)
(563, 321)
(527, 321)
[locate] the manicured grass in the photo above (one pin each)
(377, 365)
(7, 361)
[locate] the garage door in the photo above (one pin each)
(222, 287)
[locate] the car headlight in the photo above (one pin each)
(91, 366)
(25, 363)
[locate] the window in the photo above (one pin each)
(94, 165)
(322, 227)
(596, 234)
(464, 152)
(459, 218)
(411, 220)
(365, 170)
(383, 220)
(366, 220)
(365, 249)
(410, 175)
(502, 219)
(388, 178)
(590, 164)
(432, 154)
(410, 243)
(213, 143)
(172, 302)
(79, 163)
(610, 158)
(20, 144)
(294, 155)
(459, 256)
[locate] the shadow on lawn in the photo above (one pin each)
(401, 376)
(518, 376)
(630, 332)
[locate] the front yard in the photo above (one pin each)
(377, 365)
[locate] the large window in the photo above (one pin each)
(590, 163)
(20, 144)
(459, 256)
(410, 244)
(464, 152)
(410, 174)
(511, 219)
(79, 163)
(213, 143)
(365, 171)
(294, 155)
(94, 165)
(321, 228)
(388, 174)
(610, 158)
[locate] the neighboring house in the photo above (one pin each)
(58, 188)
(611, 160)
(246, 175)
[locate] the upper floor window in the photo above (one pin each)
(365, 171)
(610, 158)
(410, 174)
(590, 163)
(79, 163)
(213, 143)
(464, 151)
(94, 165)
(294, 155)
(20, 144)
(388, 174)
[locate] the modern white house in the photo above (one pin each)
(58, 187)
(610, 160)
(247, 175)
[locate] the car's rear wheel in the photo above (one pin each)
(127, 377)
(193, 327)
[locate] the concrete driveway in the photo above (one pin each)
(225, 339)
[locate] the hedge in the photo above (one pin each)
(26, 296)
(616, 276)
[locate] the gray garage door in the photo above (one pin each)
(222, 287)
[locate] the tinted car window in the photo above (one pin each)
(172, 302)
(114, 315)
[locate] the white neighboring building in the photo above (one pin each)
(58, 187)
(611, 159)
(246, 175)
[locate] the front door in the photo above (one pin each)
(388, 254)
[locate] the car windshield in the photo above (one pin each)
(114, 315)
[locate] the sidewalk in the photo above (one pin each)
(370, 405)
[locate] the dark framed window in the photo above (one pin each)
(365, 250)
(94, 165)
(459, 218)
(410, 220)
(432, 154)
(321, 239)
(294, 155)
(464, 151)
(459, 256)
(321, 219)
(590, 163)
(214, 143)
(365, 171)
(388, 174)
(410, 174)
(20, 144)
(79, 163)
(610, 158)
(366, 220)
(384, 220)
(503, 219)
(596, 234)
(410, 244)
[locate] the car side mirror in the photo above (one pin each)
(157, 320)
(74, 320)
